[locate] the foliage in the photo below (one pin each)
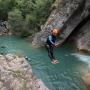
(25, 33)
(25, 15)
(17, 23)
(16, 20)
(5, 7)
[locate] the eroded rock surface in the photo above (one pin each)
(16, 74)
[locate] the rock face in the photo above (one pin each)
(16, 74)
(83, 38)
(4, 28)
(67, 15)
(86, 79)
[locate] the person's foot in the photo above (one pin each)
(53, 62)
(56, 61)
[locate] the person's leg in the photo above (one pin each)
(53, 57)
(50, 53)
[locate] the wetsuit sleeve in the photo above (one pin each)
(50, 39)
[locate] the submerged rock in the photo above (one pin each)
(3, 46)
(16, 74)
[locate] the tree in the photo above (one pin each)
(18, 25)
(42, 10)
(25, 6)
(31, 20)
(29, 15)
(5, 7)
(16, 20)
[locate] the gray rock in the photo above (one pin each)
(4, 28)
(67, 15)
(16, 74)
(83, 38)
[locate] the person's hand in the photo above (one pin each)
(57, 45)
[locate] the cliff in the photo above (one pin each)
(67, 15)
(82, 38)
(16, 74)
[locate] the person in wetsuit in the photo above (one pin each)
(50, 42)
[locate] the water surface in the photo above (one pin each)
(63, 76)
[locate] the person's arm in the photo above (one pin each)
(50, 39)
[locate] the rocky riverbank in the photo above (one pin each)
(16, 74)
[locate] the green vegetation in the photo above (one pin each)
(25, 16)
(5, 7)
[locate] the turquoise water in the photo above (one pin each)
(66, 75)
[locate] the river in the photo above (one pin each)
(66, 75)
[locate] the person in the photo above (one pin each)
(50, 42)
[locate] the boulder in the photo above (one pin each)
(16, 74)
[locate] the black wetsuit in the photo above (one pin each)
(49, 46)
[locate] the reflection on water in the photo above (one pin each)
(66, 75)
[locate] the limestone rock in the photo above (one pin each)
(16, 74)
(4, 28)
(86, 79)
(67, 15)
(82, 38)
